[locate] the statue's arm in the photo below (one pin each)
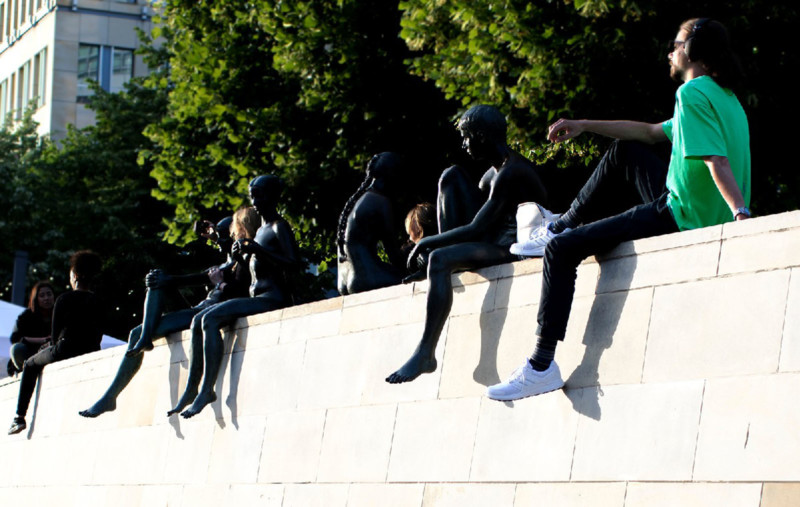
(284, 255)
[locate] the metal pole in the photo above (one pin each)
(18, 279)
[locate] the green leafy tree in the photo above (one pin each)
(306, 90)
(603, 59)
(90, 192)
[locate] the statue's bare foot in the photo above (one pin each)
(418, 364)
(187, 398)
(102, 406)
(199, 404)
(139, 348)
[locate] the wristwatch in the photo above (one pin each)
(741, 211)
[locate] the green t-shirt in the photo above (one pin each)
(708, 120)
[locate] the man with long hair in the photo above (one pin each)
(705, 183)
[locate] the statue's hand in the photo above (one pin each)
(156, 279)
(215, 275)
(242, 246)
(421, 248)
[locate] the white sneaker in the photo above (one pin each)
(535, 246)
(525, 381)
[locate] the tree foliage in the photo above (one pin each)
(90, 192)
(306, 90)
(602, 59)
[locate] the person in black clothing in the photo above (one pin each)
(229, 280)
(77, 317)
(32, 329)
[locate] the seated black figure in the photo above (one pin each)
(77, 329)
(32, 329)
(271, 253)
(229, 280)
(367, 219)
(471, 239)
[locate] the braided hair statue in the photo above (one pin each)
(368, 219)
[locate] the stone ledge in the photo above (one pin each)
(679, 391)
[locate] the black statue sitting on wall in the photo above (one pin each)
(367, 219)
(270, 253)
(473, 235)
(230, 280)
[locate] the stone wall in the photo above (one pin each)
(682, 362)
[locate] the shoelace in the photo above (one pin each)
(541, 232)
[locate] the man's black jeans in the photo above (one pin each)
(629, 174)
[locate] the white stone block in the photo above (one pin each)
(706, 329)
(292, 442)
(236, 451)
(780, 494)
(188, 450)
(130, 455)
(270, 379)
(387, 350)
(333, 373)
(643, 432)
(659, 268)
(315, 495)
(356, 444)
(760, 225)
(482, 349)
(308, 327)
(748, 431)
(161, 496)
(790, 345)
(667, 242)
(433, 441)
(655, 494)
(771, 250)
(468, 495)
(390, 312)
(571, 494)
(267, 495)
(385, 495)
(605, 340)
(473, 298)
(513, 436)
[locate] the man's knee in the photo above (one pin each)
(210, 322)
(135, 333)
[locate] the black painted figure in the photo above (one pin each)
(366, 220)
(271, 253)
(229, 280)
(470, 243)
(32, 329)
(76, 329)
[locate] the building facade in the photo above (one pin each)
(51, 49)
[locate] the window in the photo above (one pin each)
(88, 69)
(109, 66)
(3, 99)
(39, 77)
(2, 22)
(121, 68)
(23, 79)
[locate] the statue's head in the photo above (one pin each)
(383, 166)
(224, 240)
(482, 128)
(264, 192)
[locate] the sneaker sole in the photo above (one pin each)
(554, 386)
(520, 249)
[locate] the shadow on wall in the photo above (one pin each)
(491, 325)
(583, 387)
